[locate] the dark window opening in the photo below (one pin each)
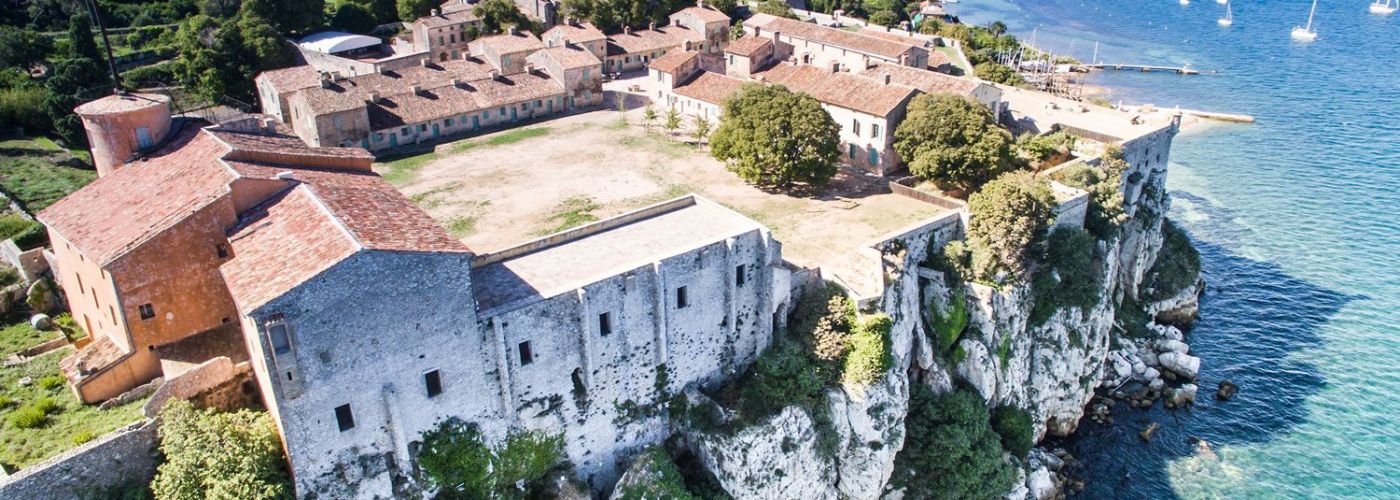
(344, 418)
(526, 357)
(681, 300)
(739, 275)
(433, 381)
(604, 324)
(147, 311)
(281, 344)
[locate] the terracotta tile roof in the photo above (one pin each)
(895, 37)
(579, 32)
(350, 93)
(248, 146)
(325, 217)
(927, 81)
(293, 78)
(704, 14)
(673, 60)
(445, 18)
(472, 96)
(710, 87)
(450, 6)
(747, 46)
(120, 104)
(938, 58)
(571, 57)
(120, 211)
(839, 89)
(829, 36)
(645, 41)
(507, 43)
(100, 354)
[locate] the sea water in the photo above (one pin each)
(1298, 221)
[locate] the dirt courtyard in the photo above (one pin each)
(499, 190)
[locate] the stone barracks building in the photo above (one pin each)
(366, 323)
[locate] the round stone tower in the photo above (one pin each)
(119, 126)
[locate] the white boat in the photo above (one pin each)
(1384, 8)
(1222, 2)
(1306, 33)
(1229, 18)
(1184, 2)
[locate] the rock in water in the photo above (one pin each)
(1185, 365)
(1146, 434)
(1226, 390)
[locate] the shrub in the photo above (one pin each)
(13, 224)
(869, 356)
(51, 382)
(455, 459)
(659, 479)
(1040, 148)
(1104, 184)
(48, 405)
(1007, 219)
(24, 107)
(952, 141)
(213, 454)
(1069, 276)
(950, 450)
(1014, 426)
(6, 401)
(831, 336)
(155, 73)
(948, 326)
(1177, 267)
(27, 417)
(998, 73)
(884, 18)
(83, 437)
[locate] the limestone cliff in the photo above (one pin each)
(1050, 369)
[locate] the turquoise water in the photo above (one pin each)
(1298, 221)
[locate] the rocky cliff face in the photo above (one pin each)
(1051, 369)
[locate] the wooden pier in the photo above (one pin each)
(1145, 68)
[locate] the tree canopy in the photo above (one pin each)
(80, 41)
(213, 454)
(455, 458)
(353, 18)
(950, 450)
(953, 141)
(22, 47)
(1007, 219)
(614, 14)
(496, 15)
(771, 136)
(220, 57)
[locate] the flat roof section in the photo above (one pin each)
(572, 259)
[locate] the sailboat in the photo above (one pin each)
(1384, 8)
(1306, 34)
(1184, 2)
(1229, 18)
(1222, 2)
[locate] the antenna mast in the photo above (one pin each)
(107, 43)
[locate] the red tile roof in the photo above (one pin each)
(448, 100)
(571, 57)
(839, 89)
(100, 354)
(444, 18)
(895, 37)
(327, 216)
(829, 36)
(578, 32)
(747, 45)
(927, 81)
(292, 79)
(710, 87)
(507, 43)
(122, 210)
(704, 14)
(673, 60)
(646, 41)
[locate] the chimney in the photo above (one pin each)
(436, 12)
(426, 62)
(835, 67)
(566, 42)
(456, 83)
(529, 69)
(627, 30)
(776, 33)
(417, 89)
(269, 124)
(495, 74)
(325, 80)
(513, 31)
(373, 97)
(700, 3)
(285, 175)
(885, 78)
(651, 26)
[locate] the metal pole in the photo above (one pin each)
(106, 42)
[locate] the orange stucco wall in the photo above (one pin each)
(92, 296)
(177, 272)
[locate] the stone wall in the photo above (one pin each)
(121, 457)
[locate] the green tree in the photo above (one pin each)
(661, 480)
(648, 117)
(997, 28)
(80, 41)
(455, 459)
(953, 141)
(884, 18)
(298, 17)
(354, 18)
(410, 10)
(777, 8)
(771, 136)
(998, 73)
(950, 450)
(701, 130)
(384, 11)
(1069, 276)
(22, 47)
(496, 15)
(212, 454)
(673, 121)
(72, 80)
(1006, 221)
(1014, 426)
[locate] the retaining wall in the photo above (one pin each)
(121, 457)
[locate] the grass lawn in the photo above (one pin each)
(68, 424)
(403, 169)
(956, 58)
(34, 171)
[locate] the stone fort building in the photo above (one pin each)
(366, 324)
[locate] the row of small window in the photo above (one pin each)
(345, 416)
(874, 129)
